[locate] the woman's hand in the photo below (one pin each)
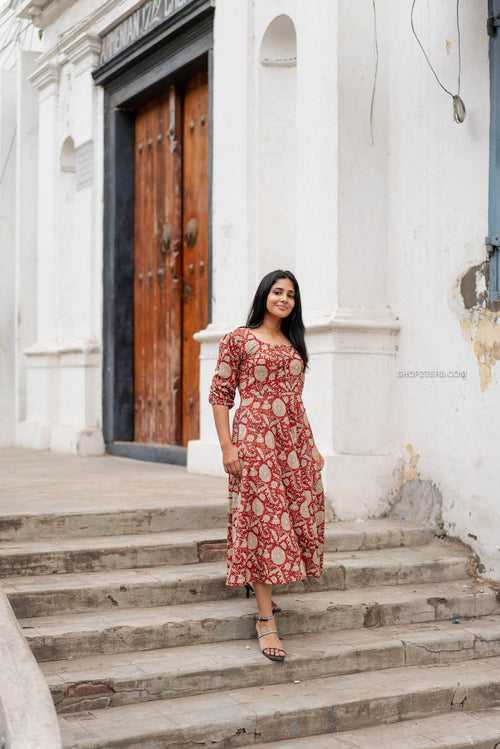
(230, 459)
(319, 458)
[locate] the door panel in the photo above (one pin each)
(195, 244)
(157, 289)
(171, 261)
(141, 228)
(170, 250)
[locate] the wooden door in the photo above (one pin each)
(171, 258)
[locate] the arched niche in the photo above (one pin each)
(68, 157)
(277, 145)
(279, 44)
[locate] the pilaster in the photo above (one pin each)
(63, 403)
(351, 333)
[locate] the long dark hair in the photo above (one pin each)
(293, 325)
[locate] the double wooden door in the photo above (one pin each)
(171, 261)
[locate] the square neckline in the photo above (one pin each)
(266, 343)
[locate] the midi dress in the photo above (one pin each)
(276, 511)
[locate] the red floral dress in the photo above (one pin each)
(276, 516)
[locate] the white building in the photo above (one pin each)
(187, 147)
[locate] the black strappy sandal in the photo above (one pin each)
(272, 657)
(251, 591)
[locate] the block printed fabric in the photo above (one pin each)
(276, 514)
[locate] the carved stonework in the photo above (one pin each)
(84, 51)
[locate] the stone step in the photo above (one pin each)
(68, 554)
(479, 729)
(92, 519)
(111, 552)
(242, 717)
(129, 630)
(50, 595)
(126, 678)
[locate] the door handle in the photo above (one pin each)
(166, 239)
(191, 232)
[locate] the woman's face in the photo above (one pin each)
(281, 298)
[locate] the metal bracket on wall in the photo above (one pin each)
(492, 24)
(493, 247)
(492, 243)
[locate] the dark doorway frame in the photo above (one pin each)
(171, 51)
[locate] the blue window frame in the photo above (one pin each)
(493, 239)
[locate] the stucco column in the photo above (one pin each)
(7, 243)
(317, 145)
(83, 54)
(26, 222)
(233, 265)
(63, 366)
(342, 258)
(41, 357)
(340, 252)
(46, 80)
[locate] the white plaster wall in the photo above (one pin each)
(383, 228)
(17, 223)
(363, 165)
(398, 225)
(437, 220)
(239, 257)
(313, 254)
(63, 400)
(344, 353)
(247, 242)
(277, 146)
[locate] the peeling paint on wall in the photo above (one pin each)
(414, 499)
(409, 470)
(481, 328)
(482, 331)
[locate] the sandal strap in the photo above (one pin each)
(259, 618)
(270, 632)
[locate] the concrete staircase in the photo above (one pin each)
(144, 646)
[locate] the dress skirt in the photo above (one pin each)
(276, 514)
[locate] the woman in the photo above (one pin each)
(276, 499)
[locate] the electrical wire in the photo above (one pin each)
(459, 47)
(458, 104)
(374, 87)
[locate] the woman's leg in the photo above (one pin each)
(263, 592)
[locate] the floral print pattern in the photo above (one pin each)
(276, 517)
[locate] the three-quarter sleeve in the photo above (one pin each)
(227, 372)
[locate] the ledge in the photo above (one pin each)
(52, 348)
(48, 354)
(339, 322)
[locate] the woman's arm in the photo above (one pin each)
(230, 456)
(222, 391)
